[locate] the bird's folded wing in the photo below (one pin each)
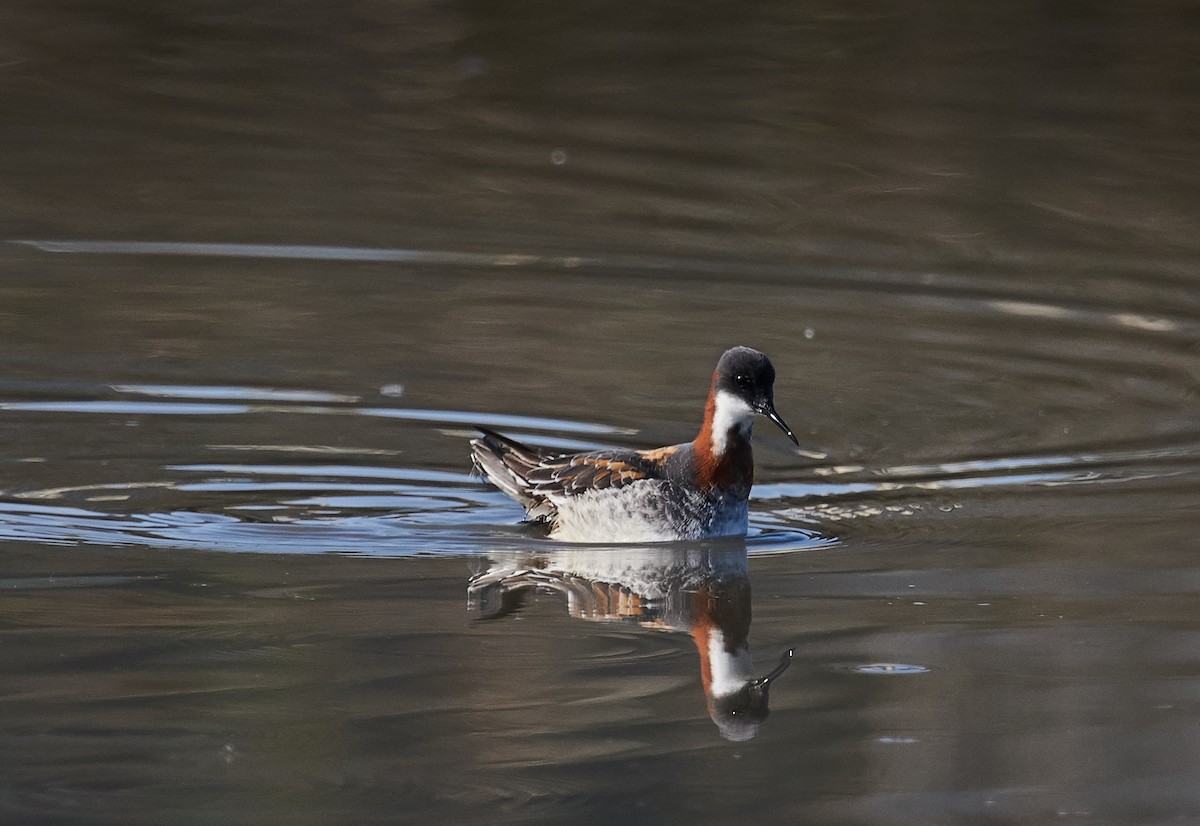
(578, 473)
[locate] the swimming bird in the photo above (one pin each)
(694, 490)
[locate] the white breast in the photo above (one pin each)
(642, 512)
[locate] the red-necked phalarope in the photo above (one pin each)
(693, 490)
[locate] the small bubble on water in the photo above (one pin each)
(809, 332)
(558, 157)
(473, 65)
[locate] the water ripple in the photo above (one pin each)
(352, 506)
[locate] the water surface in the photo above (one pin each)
(262, 271)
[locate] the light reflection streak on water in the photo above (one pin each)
(235, 393)
(414, 474)
(860, 277)
(257, 486)
(386, 255)
(333, 450)
(133, 408)
(491, 419)
(1115, 457)
(978, 474)
(130, 407)
(840, 275)
(800, 490)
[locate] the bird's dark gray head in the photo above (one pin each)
(739, 715)
(749, 375)
(746, 373)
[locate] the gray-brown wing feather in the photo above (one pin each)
(507, 464)
(532, 477)
(578, 473)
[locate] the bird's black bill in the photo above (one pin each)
(784, 662)
(768, 410)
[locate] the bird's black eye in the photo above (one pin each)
(742, 381)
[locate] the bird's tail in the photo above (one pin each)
(507, 464)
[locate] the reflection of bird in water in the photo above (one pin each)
(693, 490)
(702, 591)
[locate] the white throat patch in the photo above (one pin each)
(731, 411)
(730, 671)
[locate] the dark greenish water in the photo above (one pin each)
(262, 267)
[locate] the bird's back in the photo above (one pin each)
(609, 495)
